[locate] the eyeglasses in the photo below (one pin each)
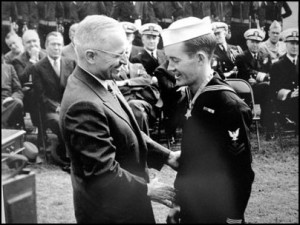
(122, 55)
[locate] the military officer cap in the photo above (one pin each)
(291, 34)
(129, 27)
(150, 28)
(254, 34)
(186, 29)
(218, 26)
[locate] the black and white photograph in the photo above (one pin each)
(167, 112)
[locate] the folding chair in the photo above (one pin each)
(245, 92)
(281, 120)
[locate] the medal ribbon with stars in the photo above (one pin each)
(199, 91)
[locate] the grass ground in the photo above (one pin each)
(274, 198)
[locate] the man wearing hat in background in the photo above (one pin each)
(132, 50)
(273, 46)
(215, 176)
(254, 67)
(150, 56)
(225, 53)
(284, 78)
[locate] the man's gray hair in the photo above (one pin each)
(91, 32)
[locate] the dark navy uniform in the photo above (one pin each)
(9, 15)
(240, 22)
(215, 177)
(285, 75)
(145, 11)
(86, 8)
(124, 11)
(50, 17)
(148, 62)
(249, 67)
(226, 58)
(70, 17)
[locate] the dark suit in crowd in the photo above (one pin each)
(23, 68)
(285, 75)
(148, 61)
(12, 111)
(49, 88)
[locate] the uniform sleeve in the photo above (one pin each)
(237, 121)
(88, 135)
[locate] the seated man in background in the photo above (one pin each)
(49, 79)
(14, 42)
(254, 67)
(11, 97)
(150, 56)
(132, 49)
(143, 97)
(284, 78)
(69, 50)
(273, 46)
(23, 66)
(225, 54)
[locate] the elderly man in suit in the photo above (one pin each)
(150, 56)
(11, 97)
(108, 152)
(23, 65)
(69, 50)
(49, 79)
(285, 77)
(225, 54)
(254, 67)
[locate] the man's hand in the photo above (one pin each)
(295, 93)
(174, 215)
(57, 109)
(121, 83)
(160, 192)
(34, 53)
(172, 160)
(6, 100)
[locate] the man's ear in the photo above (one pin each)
(90, 56)
(201, 56)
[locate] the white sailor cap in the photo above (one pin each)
(129, 27)
(186, 29)
(150, 28)
(217, 26)
(254, 34)
(291, 34)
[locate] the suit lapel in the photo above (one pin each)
(108, 100)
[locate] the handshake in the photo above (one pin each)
(160, 192)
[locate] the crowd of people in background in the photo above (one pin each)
(251, 44)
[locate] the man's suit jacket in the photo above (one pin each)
(284, 75)
(148, 62)
(107, 151)
(10, 84)
(49, 87)
(23, 66)
(248, 66)
(69, 52)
